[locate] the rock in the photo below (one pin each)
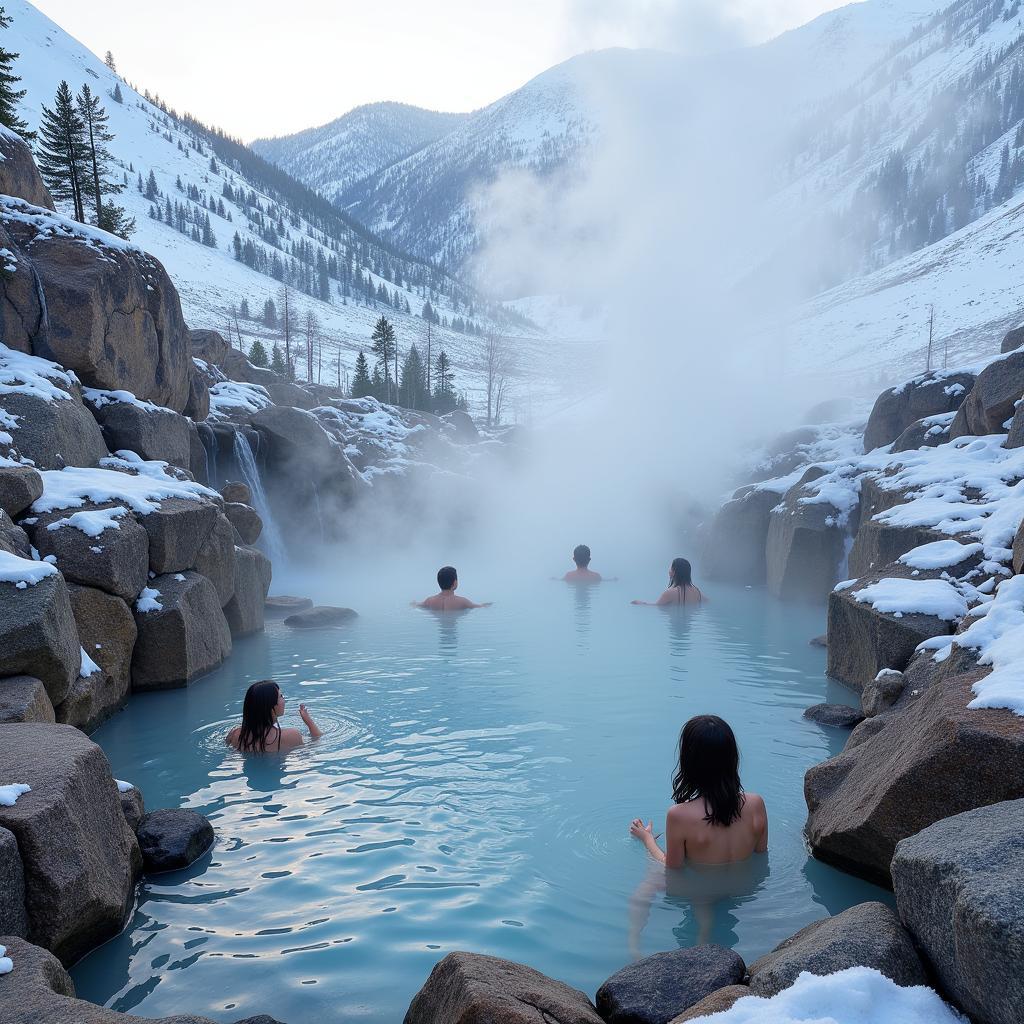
(878, 544)
(992, 399)
(469, 988)
(133, 806)
(929, 432)
(462, 425)
(660, 987)
(116, 560)
(185, 638)
(173, 838)
(151, 432)
(929, 394)
(19, 485)
(734, 548)
(13, 539)
(24, 699)
(197, 408)
(177, 531)
(209, 345)
(246, 520)
(1012, 340)
(1018, 549)
(285, 604)
(819, 641)
(216, 559)
(319, 617)
(80, 858)
(54, 434)
(236, 493)
(244, 611)
(38, 636)
(19, 175)
(13, 916)
(838, 716)
(804, 548)
(288, 393)
(960, 889)
(21, 313)
(882, 692)
(198, 461)
(718, 1002)
(926, 759)
(1015, 435)
(866, 935)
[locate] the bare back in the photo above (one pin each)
(275, 741)
(446, 601)
(681, 596)
(690, 838)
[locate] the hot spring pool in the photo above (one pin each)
(473, 790)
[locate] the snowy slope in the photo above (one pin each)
(335, 156)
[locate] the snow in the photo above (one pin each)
(23, 572)
(22, 374)
(939, 554)
(124, 787)
(6, 965)
(48, 224)
(9, 794)
(89, 667)
(100, 398)
(858, 995)
(92, 522)
(149, 601)
(913, 597)
(232, 396)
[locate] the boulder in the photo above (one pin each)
(895, 409)
(197, 408)
(734, 547)
(186, 637)
(929, 432)
(24, 699)
(80, 858)
(19, 485)
(198, 460)
(838, 716)
(21, 313)
(38, 636)
(280, 605)
(19, 175)
(1012, 340)
(866, 935)
(149, 431)
(114, 559)
(13, 539)
(287, 393)
(177, 531)
(244, 611)
(462, 426)
(216, 559)
(960, 889)
(54, 433)
(13, 916)
(236, 493)
(210, 346)
(660, 987)
(718, 1002)
(469, 988)
(133, 806)
(320, 617)
(925, 759)
(173, 838)
(992, 399)
(1015, 435)
(882, 692)
(246, 520)
(1018, 549)
(877, 544)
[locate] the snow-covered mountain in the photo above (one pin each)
(335, 156)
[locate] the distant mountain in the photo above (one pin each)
(335, 156)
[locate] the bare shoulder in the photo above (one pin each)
(684, 812)
(291, 738)
(232, 737)
(755, 802)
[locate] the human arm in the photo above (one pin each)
(760, 822)
(675, 842)
(307, 718)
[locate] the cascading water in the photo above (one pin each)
(209, 439)
(319, 512)
(271, 542)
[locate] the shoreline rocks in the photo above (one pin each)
(173, 838)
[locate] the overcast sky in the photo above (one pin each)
(263, 67)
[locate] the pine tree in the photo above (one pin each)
(385, 350)
(277, 360)
(444, 384)
(269, 314)
(97, 136)
(413, 391)
(362, 386)
(117, 96)
(258, 354)
(152, 190)
(109, 61)
(9, 94)
(63, 150)
(243, 309)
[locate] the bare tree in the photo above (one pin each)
(497, 364)
(286, 326)
(312, 334)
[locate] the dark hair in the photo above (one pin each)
(709, 768)
(258, 715)
(681, 573)
(581, 555)
(446, 577)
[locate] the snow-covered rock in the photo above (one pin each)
(929, 394)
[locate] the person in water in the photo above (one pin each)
(582, 573)
(260, 732)
(446, 600)
(712, 821)
(680, 587)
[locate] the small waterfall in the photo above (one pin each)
(270, 540)
(319, 513)
(209, 439)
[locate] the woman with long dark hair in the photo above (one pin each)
(712, 821)
(260, 732)
(681, 589)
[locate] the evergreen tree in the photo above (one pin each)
(109, 61)
(152, 190)
(97, 136)
(277, 360)
(243, 309)
(9, 94)
(362, 386)
(384, 348)
(258, 354)
(63, 150)
(117, 96)
(269, 314)
(413, 391)
(444, 384)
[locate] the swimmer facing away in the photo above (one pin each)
(582, 573)
(260, 732)
(713, 821)
(446, 600)
(680, 587)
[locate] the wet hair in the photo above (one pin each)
(581, 555)
(681, 573)
(709, 768)
(258, 716)
(446, 577)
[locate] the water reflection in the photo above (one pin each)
(680, 624)
(582, 596)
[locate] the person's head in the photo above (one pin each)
(447, 578)
(263, 705)
(709, 763)
(581, 556)
(679, 573)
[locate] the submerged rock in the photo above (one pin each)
(173, 838)
(320, 617)
(279, 605)
(838, 716)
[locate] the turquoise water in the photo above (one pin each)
(473, 790)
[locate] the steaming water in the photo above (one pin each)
(472, 790)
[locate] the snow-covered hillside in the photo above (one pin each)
(335, 156)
